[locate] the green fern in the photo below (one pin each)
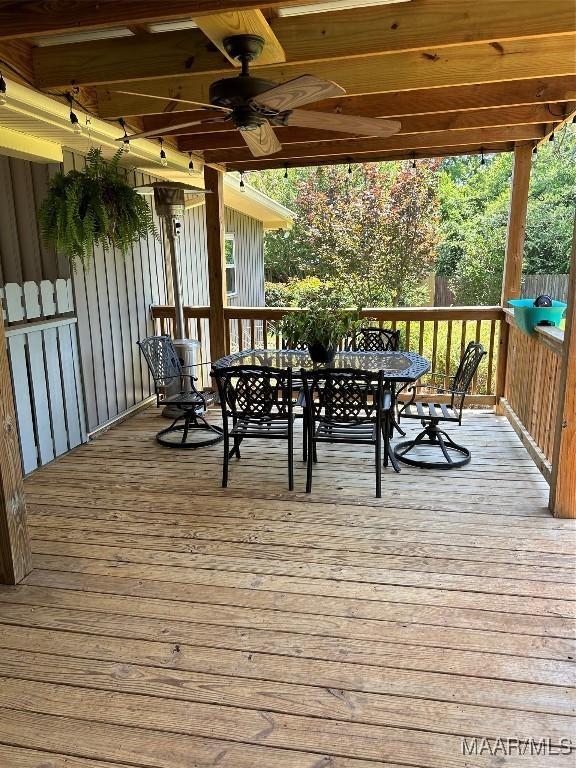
(96, 207)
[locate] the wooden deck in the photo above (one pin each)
(170, 624)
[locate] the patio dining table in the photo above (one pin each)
(397, 367)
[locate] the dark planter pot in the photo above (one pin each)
(321, 354)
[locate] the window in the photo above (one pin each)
(230, 254)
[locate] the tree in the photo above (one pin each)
(474, 202)
(370, 232)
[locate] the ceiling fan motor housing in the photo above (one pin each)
(237, 91)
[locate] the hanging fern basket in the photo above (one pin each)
(94, 207)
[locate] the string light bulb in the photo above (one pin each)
(414, 160)
(482, 158)
(3, 98)
(125, 140)
(285, 170)
(190, 164)
(552, 137)
(535, 150)
(349, 169)
(163, 159)
(76, 127)
(242, 185)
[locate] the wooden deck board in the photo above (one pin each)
(171, 624)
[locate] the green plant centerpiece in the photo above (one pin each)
(320, 327)
(94, 207)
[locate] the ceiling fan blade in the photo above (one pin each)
(299, 91)
(262, 141)
(171, 98)
(169, 130)
(328, 121)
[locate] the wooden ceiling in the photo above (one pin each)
(460, 75)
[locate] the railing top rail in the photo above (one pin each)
(389, 313)
(167, 311)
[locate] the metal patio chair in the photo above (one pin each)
(348, 406)
(260, 402)
(188, 405)
(374, 339)
(431, 413)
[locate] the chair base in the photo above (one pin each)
(431, 435)
(187, 435)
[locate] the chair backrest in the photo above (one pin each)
(162, 359)
(255, 391)
(343, 395)
(467, 367)
(374, 339)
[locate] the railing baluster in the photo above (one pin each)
(407, 339)
(448, 360)
(421, 339)
(477, 340)
(239, 334)
(434, 343)
(252, 334)
(265, 333)
(463, 338)
(490, 357)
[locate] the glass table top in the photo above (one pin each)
(397, 366)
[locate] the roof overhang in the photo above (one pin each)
(36, 127)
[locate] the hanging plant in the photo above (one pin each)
(94, 207)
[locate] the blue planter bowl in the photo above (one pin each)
(527, 315)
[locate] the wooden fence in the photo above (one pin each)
(45, 369)
(555, 286)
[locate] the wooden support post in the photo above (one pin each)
(512, 274)
(502, 365)
(15, 556)
(563, 480)
(214, 182)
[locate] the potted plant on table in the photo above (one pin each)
(320, 327)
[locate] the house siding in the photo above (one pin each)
(112, 298)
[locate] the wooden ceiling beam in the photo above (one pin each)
(390, 155)
(432, 101)
(443, 67)
(480, 136)
(484, 118)
(219, 26)
(419, 24)
(32, 18)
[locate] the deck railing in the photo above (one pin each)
(531, 391)
(520, 373)
(438, 333)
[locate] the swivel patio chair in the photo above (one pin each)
(260, 402)
(374, 339)
(348, 406)
(431, 413)
(188, 404)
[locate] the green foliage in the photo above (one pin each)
(325, 321)
(375, 234)
(95, 207)
(299, 293)
(474, 215)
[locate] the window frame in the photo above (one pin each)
(230, 237)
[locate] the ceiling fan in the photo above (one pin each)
(254, 105)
